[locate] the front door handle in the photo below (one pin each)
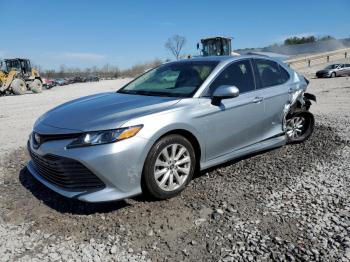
(258, 99)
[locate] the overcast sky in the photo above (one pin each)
(86, 33)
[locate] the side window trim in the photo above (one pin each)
(258, 85)
(205, 92)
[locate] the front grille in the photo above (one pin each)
(65, 172)
(45, 138)
(58, 137)
(321, 74)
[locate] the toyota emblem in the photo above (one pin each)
(37, 138)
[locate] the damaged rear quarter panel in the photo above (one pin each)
(298, 99)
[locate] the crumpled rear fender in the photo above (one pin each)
(299, 101)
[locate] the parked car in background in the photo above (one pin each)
(155, 132)
(78, 79)
(334, 71)
(92, 78)
(48, 83)
(61, 81)
(69, 80)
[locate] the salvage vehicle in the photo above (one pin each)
(153, 134)
(61, 81)
(92, 78)
(334, 71)
(49, 83)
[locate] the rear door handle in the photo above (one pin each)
(258, 99)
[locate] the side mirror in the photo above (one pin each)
(224, 92)
(197, 46)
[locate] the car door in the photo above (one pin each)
(273, 83)
(343, 71)
(236, 122)
(339, 70)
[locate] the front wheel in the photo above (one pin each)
(300, 126)
(333, 75)
(169, 167)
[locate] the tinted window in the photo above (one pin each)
(270, 73)
(238, 74)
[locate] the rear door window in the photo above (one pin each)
(270, 73)
(239, 74)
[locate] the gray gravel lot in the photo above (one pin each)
(288, 204)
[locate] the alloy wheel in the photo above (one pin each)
(172, 167)
(295, 127)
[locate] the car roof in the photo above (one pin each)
(227, 58)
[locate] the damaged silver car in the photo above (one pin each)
(179, 118)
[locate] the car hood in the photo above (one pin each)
(100, 112)
(323, 71)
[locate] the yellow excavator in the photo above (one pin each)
(17, 76)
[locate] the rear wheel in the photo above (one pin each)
(300, 127)
(36, 86)
(169, 167)
(18, 86)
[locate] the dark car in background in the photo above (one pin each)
(92, 78)
(334, 71)
(78, 79)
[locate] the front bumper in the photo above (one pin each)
(119, 165)
(323, 74)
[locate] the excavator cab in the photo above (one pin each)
(20, 65)
(216, 46)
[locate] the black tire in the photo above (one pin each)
(333, 75)
(307, 129)
(149, 183)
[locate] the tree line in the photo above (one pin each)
(106, 71)
(295, 40)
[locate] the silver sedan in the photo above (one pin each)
(334, 71)
(153, 134)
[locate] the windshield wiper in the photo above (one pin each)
(144, 93)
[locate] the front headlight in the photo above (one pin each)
(104, 137)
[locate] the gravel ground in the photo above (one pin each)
(288, 204)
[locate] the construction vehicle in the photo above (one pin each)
(216, 46)
(17, 76)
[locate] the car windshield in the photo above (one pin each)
(177, 79)
(332, 66)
